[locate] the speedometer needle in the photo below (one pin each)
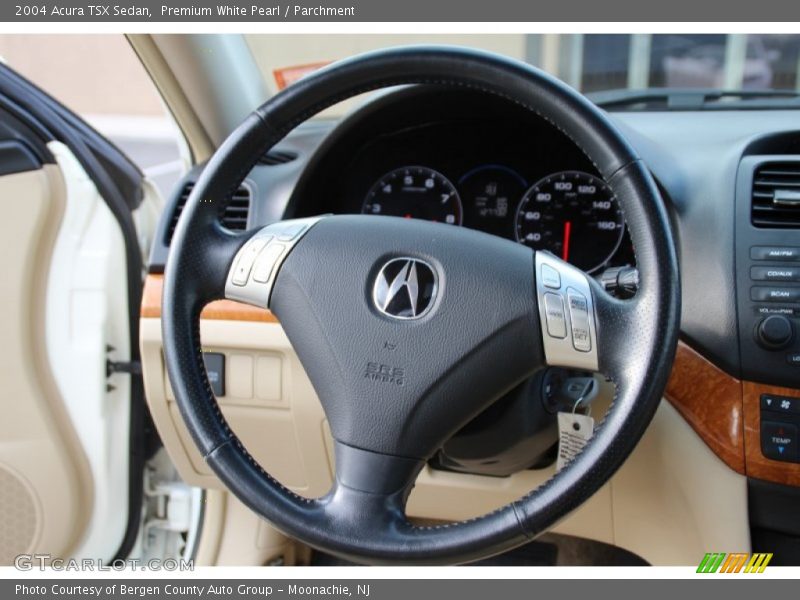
(565, 245)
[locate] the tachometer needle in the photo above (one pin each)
(565, 245)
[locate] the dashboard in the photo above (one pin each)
(473, 161)
(477, 161)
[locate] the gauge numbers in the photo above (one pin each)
(415, 193)
(575, 216)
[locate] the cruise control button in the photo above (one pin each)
(550, 277)
(247, 257)
(579, 318)
(787, 253)
(266, 262)
(555, 317)
(774, 294)
(779, 440)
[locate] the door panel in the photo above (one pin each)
(45, 485)
(73, 291)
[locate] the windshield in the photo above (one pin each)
(589, 63)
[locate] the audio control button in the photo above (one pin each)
(774, 332)
(246, 258)
(774, 294)
(780, 253)
(775, 273)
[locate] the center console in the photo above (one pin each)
(768, 293)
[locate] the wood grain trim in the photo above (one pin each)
(758, 466)
(711, 402)
(726, 414)
(221, 310)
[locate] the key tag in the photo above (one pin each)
(574, 432)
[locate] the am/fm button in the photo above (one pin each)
(787, 253)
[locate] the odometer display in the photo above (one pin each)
(415, 193)
(575, 216)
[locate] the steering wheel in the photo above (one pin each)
(398, 325)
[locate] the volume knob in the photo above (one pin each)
(774, 332)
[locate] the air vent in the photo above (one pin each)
(776, 195)
(234, 215)
(277, 157)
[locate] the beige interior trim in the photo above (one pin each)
(670, 503)
(233, 535)
(212, 528)
(674, 499)
(197, 138)
(39, 448)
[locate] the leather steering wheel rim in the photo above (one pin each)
(636, 338)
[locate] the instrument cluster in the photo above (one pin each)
(469, 160)
(571, 213)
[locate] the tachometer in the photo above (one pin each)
(575, 216)
(415, 193)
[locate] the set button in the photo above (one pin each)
(579, 319)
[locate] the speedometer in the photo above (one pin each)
(575, 216)
(415, 193)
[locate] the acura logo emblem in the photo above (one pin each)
(405, 288)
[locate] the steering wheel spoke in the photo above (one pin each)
(567, 315)
(255, 267)
(370, 490)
